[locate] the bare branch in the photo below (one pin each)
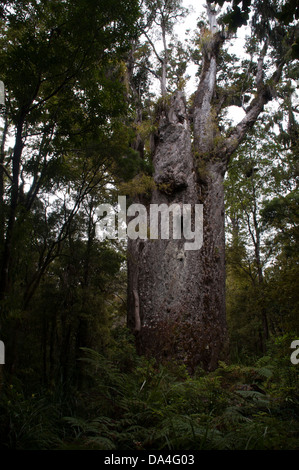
(264, 95)
(153, 47)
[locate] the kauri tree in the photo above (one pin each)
(176, 297)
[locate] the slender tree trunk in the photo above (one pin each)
(164, 64)
(2, 173)
(257, 249)
(8, 244)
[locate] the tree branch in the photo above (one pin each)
(153, 47)
(264, 95)
(5, 171)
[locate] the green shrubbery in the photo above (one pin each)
(131, 403)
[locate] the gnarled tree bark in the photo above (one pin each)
(181, 294)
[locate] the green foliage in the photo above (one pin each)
(282, 213)
(73, 379)
(131, 403)
(140, 185)
(66, 107)
(262, 240)
(27, 423)
(266, 15)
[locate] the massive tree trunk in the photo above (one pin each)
(176, 297)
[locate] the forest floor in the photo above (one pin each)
(131, 403)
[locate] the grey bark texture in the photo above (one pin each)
(180, 293)
(180, 308)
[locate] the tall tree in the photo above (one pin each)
(177, 297)
(162, 16)
(262, 224)
(60, 62)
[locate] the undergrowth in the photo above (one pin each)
(132, 403)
